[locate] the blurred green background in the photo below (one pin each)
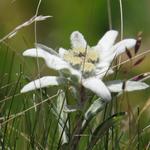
(88, 16)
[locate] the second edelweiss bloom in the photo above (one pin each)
(88, 64)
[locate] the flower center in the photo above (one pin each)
(83, 59)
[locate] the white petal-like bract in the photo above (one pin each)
(121, 46)
(107, 41)
(62, 51)
(77, 40)
(52, 61)
(43, 82)
(98, 87)
(46, 48)
(117, 85)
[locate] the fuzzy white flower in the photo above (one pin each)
(88, 64)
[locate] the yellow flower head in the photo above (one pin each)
(82, 58)
(79, 50)
(92, 55)
(88, 67)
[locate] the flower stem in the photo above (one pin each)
(77, 131)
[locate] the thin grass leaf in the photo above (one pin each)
(141, 77)
(61, 101)
(61, 117)
(2, 73)
(72, 108)
(25, 24)
(139, 61)
(123, 85)
(128, 53)
(138, 43)
(10, 70)
(93, 110)
(103, 128)
(138, 130)
(9, 110)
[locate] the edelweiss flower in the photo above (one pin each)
(88, 64)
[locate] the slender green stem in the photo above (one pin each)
(138, 130)
(122, 27)
(109, 14)
(35, 38)
(121, 18)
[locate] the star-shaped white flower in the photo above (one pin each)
(88, 64)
